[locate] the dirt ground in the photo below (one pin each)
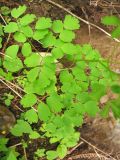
(104, 134)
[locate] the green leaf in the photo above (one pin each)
(116, 89)
(51, 155)
(48, 40)
(33, 74)
(57, 53)
(54, 102)
(43, 112)
(105, 111)
(33, 60)
(43, 23)
(28, 100)
(26, 49)
(69, 48)
(71, 23)
(58, 43)
(116, 32)
(91, 108)
(67, 36)
(13, 65)
(5, 10)
(40, 34)
(11, 156)
(62, 151)
(115, 106)
(57, 26)
(17, 12)
(12, 62)
(31, 116)
(3, 143)
(27, 31)
(21, 127)
(19, 37)
(27, 19)
(111, 20)
(66, 77)
(11, 52)
(34, 135)
(11, 27)
(40, 153)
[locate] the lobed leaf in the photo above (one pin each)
(27, 19)
(57, 26)
(43, 112)
(20, 37)
(111, 20)
(43, 23)
(17, 12)
(71, 23)
(33, 60)
(26, 49)
(67, 35)
(28, 100)
(31, 116)
(11, 27)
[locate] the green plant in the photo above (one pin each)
(112, 21)
(56, 97)
(8, 98)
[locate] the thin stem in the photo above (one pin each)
(3, 19)
(11, 88)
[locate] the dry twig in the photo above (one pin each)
(95, 148)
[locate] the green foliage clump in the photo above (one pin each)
(55, 98)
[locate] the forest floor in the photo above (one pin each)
(100, 138)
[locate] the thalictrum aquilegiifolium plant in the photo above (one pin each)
(56, 98)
